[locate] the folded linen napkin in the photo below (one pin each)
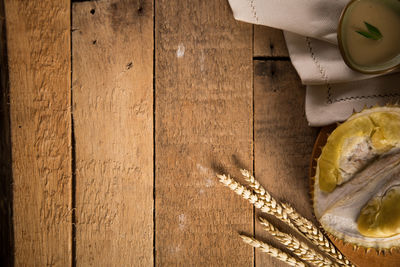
(329, 103)
(333, 89)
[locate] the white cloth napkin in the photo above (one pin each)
(333, 89)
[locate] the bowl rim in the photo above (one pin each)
(342, 50)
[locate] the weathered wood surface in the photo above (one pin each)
(204, 114)
(6, 233)
(113, 128)
(283, 141)
(39, 56)
(203, 118)
(269, 42)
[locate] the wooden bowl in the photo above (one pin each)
(360, 256)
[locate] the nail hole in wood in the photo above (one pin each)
(129, 65)
(92, 11)
(94, 42)
(273, 69)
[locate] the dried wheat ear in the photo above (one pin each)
(262, 200)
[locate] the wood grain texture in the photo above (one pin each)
(38, 44)
(6, 229)
(283, 141)
(113, 119)
(203, 119)
(269, 42)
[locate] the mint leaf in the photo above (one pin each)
(368, 35)
(373, 30)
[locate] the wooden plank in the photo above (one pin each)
(283, 140)
(269, 42)
(203, 117)
(6, 232)
(38, 44)
(113, 119)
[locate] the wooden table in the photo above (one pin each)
(116, 115)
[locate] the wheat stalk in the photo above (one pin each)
(274, 252)
(303, 225)
(267, 204)
(299, 248)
